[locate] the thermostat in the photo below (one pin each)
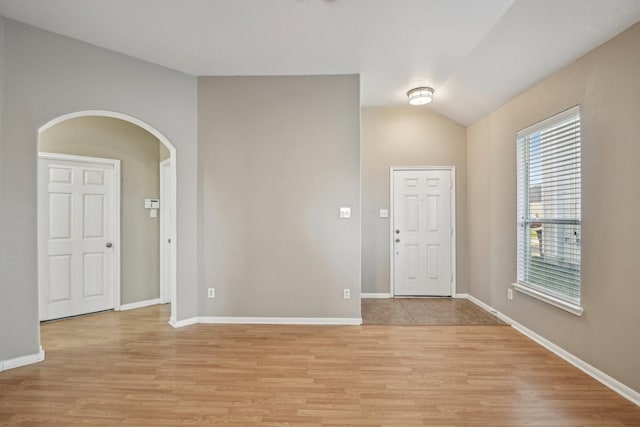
(152, 203)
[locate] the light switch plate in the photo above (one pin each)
(345, 212)
(384, 213)
(153, 213)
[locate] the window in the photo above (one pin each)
(549, 210)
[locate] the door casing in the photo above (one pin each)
(452, 170)
(166, 215)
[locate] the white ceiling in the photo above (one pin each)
(477, 54)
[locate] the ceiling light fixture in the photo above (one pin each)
(420, 95)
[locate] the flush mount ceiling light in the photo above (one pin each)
(420, 95)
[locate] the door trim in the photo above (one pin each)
(452, 170)
(165, 231)
(116, 214)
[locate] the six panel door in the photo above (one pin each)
(76, 231)
(422, 232)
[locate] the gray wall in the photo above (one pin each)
(6, 292)
(139, 155)
(46, 76)
(406, 136)
(278, 157)
(606, 84)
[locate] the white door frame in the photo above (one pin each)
(452, 170)
(116, 216)
(165, 233)
(174, 184)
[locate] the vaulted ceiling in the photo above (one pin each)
(477, 54)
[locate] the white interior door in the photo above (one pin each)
(76, 233)
(166, 218)
(422, 232)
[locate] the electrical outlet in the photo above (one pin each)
(346, 294)
(510, 294)
(211, 292)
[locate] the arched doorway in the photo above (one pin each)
(168, 262)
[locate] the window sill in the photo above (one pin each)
(556, 302)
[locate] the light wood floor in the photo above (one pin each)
(132, 368)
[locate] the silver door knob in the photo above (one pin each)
(397, 231)
(397, 240)
(109, 244)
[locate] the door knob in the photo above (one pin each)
(109, 244)
(397, 240)
(397, 231)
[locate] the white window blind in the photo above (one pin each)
(549, 206)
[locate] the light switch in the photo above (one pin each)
(384, 213)
(345, 212)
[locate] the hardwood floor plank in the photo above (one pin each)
(131, 368)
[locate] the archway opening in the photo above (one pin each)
(117, 148)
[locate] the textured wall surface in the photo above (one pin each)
(278, 157)
(606, 85)
(45, 77)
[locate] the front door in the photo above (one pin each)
(76, 230)
(422, 232)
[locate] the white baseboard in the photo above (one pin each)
(490, 309)
(181, 323)
(22, 361)
(375, 295)
(615, 385)
(592, 371)
(140, 304)
(267, 320)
